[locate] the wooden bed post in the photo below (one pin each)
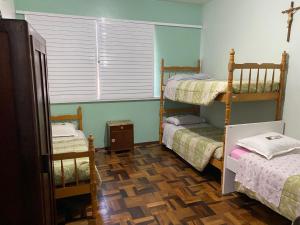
(279, 101)
(79, 114)
(198, 71)
(161, 111)
(229, 92)
(229, 87)
(93, 182)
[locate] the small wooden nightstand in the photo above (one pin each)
(120, 135)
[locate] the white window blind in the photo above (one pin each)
(126, 59)
(72, 56)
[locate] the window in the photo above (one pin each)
(126, 59)
(72, 56)
(97, 59)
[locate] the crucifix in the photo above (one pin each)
(291, 11)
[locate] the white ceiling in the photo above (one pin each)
(189, 1)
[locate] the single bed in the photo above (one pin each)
(198, 144)
(275, 183)
(288, 204)
(75, 172)
(77, 144)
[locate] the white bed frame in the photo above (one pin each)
(233, 134)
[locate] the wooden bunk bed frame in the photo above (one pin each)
(79, 188)
(229, 97)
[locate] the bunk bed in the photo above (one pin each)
(73, 159)
(254, 87)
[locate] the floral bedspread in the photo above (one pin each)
(274, 182)
(71, 144)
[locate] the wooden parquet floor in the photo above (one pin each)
(154, 186)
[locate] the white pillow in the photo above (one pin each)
(180, 77)
(202, 76)
(270, 144)
(63, 130)
(185, 119)
(198, 76)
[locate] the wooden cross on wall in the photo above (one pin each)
(291, 11)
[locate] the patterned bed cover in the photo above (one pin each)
(204, 92)
(268, 174)
(198, 144)
(71, 144)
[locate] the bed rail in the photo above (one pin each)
(79, 187)
(74, 156)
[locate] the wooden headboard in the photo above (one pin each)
(168, 71)
(70, 117)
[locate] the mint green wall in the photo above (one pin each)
(151, 10)
(176, 45)
(257, 30)
(144, 114)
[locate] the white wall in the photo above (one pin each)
(7, 8)
(257, 31)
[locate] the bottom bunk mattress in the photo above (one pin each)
(196, 143)
(77, 143)
(275, 182)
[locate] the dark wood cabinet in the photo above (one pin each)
(25, 158)
(120, 135)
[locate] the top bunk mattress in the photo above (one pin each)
(204, 92)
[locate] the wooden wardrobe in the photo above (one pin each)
(26, 189)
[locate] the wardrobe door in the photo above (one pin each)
(11, 167)
(39, 60)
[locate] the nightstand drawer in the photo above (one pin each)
(120, 135)
(121, 140)
(121, 127)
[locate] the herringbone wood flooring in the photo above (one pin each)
(154, 186)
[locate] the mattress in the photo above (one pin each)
(76, 143)
(196, 143)
(289, 197)
(204, 92)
